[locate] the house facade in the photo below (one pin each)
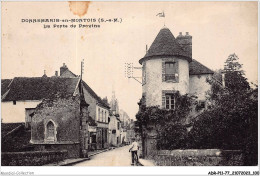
(114, 131)
(21, 95)
(168, 67)
(98, 111)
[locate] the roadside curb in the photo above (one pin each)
(144, 162)
(99, 152)
(72, 163)
(85, 159)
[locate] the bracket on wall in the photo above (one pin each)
(129, 72)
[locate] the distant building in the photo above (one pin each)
(114, 130)
(124, 118)
(114, 104)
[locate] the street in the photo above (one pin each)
(117, 157)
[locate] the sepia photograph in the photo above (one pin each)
(133, 84)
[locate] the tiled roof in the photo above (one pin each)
(4, 85)
(196, 68)
(165, 44)
(94, 95)
(37, 88)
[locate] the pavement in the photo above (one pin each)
(117, 157)
(109, 157)
(72, 161)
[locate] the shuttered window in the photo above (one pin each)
(170, 71)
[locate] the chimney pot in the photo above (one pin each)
(180, 33)
(187, 33)
(44, 72)
(56, 73)
(63, 69)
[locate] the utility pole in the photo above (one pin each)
(82, 69)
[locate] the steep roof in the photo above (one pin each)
(165, 44)
(94, 95)
(4, 85)
(37, 88)
(196, 68)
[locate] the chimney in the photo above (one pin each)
(44, 75)
(56, 73)
(63, 69)
(185, 41)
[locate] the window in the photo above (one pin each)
(105, 116)
(144, 74)
(170, 71)
(170, 101)
(50, 131)
(98, 114)
(14, 102)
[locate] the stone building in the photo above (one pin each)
(98, 111)
(21, 95)
(61, 124)
(51, 107)
(168, 67)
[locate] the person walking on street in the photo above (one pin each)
(134, 148)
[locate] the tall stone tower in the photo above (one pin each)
(114, 103)
(166, 69)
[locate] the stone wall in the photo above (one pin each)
(36, 158)
(201, 157)
(73, 150)
(65, 114)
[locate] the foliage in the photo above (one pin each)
(167, 123)
(232, 123)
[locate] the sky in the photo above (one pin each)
(218, 29)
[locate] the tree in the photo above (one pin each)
(232, 122)
(168, 124)
(235, 79)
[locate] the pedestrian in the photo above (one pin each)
(134, 148)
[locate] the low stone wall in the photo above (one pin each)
(35, 158)
(201, 157)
